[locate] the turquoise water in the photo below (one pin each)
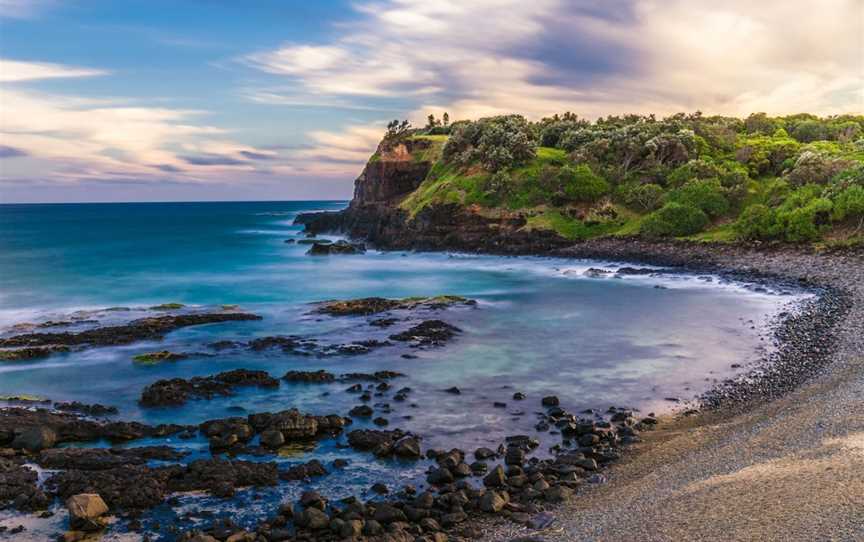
(541, 326)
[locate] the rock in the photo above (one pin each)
(152, 358)
(385, 513)
(351, 528)
(361, 411)
(90, 410)
(453, 518)
(495, 478)
(86, 511)
(304, 471)
(378, 441)
(34, 439)
(309, 377)
(484, 453)
(518, 396)
(440, 476)
(143, 329)
(315, 519)
(339, 247)
(272, 438)
(493, 502)
(177, 391)
(407, 447)
(31, 352)
(557, 494)
(454, 390)
(428, 333)
(550, 401)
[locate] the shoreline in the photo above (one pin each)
(630, 505)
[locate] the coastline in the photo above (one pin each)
(787, 441)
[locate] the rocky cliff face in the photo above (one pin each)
(395, 171)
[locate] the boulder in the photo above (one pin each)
(34, 439)
(86, 511)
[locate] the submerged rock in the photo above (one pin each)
(374, 305)
(31, 352)
(177, 391)
(339, 247)
(152, 328)
(428, 333)
(153, 358)
(320, 376)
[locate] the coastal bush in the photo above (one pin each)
(756, 222)
(581, 184)
(705, 194)
(495, 142)
(644, 197)
(674, 220)
(815, 167)
(767, 155)
(850, 203)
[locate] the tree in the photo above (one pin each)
(446, 119)
(396, 129)
(432, 122)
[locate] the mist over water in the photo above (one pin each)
(541, 327)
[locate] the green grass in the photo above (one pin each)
(721, 234)
(569, 227)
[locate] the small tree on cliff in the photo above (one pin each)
(446, 119)
(396, 129)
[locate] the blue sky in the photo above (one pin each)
(218, 99)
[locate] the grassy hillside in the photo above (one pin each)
(787, 179)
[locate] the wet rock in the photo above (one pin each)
(373, 305)
(105, 458)
(454, 390)
(385, 513)
(86, 512)
(495, 478)
(19, 487)
(428, 333)
(305, 471)
(339, 247)
(272, 438)
(177, 391)
(34, 439)
(378, 441)
(558, 494)
(152, 358)
(31, 352)
(361, 411)
(90, 410)
(408, 447)
(550, 401)
(493, 502)
(321, 376)
(144, 329)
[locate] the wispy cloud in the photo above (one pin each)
(23, 9)
(14, 71)
(544, 56)
(11, 152)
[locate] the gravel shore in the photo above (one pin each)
(781, 458)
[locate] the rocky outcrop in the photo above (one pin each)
(394, 172)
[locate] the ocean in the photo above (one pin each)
(541, 326)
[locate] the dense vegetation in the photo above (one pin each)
(798, 178)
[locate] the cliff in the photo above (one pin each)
(377, 215)
(507, 185)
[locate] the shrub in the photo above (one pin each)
(766, 155)
(496, 142)
(674, 219)
(815, 167)
(850, 203)
(756, 222)
(706, 195)
(644, 197)
(803, 223)
(581, 184)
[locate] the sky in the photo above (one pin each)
(194, 100)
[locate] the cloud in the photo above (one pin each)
(23, 9)
(70, 139)
(546, 56)
(13, 71)
(11, 152)
(213, 160)
(252, 155)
